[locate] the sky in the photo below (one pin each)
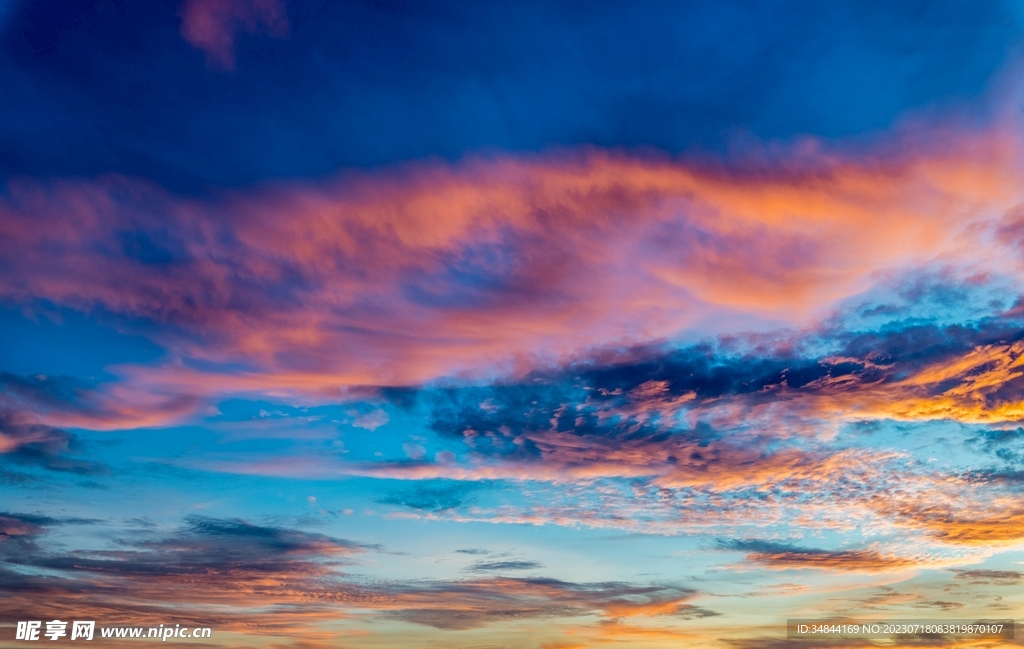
(531, 325)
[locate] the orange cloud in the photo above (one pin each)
(979, 524)
(979, 378)
(489, 266)
(780, 556)
(240, 577)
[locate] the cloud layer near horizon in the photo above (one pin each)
(296, 578)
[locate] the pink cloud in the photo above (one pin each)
(211, 25)
(492, 266)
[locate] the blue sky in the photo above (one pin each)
(113, 88)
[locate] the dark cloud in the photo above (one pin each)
(1006, 445)
(38, 445)
(67, 401)
(577, 398)
(43, 392)
(469, 604)
(208, 546)
(46, 447)
(206, 562)
(24, 440)
(627, 393)
(15, 478)
(210, 567)
(939, 604)
(784, 556)
(710, 414)
(501, 566)
(18, 532)
(31, 519)
(990, 576)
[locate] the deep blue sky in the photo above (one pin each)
(98, 87)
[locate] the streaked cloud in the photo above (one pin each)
(503, 566)
(990, 576)
(781, 556)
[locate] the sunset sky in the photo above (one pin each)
(531, 325)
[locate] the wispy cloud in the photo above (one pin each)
(25, 440)
(503, 566)
(1007, 577)
(212, 25)
(781, 556)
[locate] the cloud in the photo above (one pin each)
(211, 25)
(781, 556)
(38, 445)
(371, 420)
(575, 278)
(979, 385)
(239, 565)
(414, 451)
(990, 576)
(467, 604)
(503, 566)
(217, 571)
(727, 437)
(939, 604)
(493, 266)
(233, 549)
(719, 420)
(18, 532)
(539, 311)
(432, 497)
(992, 523)
(71, 402)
